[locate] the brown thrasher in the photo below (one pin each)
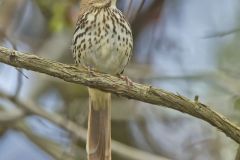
(102, 41)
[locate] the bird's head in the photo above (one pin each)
(98, 3)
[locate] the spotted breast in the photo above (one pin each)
(103, 40)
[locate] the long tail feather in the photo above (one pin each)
(99, 125)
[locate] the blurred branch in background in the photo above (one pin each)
(144, 18)
(7, 117)
(115, 85)
(118, 148)
(222, 33)
(47, 145)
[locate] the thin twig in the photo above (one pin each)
(140, 7)
(19, 83)
(129, 9)
(20, 73)
(222, 34)
(130, 15)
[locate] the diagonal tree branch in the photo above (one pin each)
(50, 147)
(105, 82)
(118, 148)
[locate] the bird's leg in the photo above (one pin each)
(90, 70)
(126, 79)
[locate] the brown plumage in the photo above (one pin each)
(103, 41)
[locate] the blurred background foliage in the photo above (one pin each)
(57, 12)
(188, 47)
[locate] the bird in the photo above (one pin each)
(102, 42)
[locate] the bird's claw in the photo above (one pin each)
(126, 79)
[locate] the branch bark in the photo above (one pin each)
(105, 82)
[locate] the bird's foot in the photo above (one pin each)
(91, 70)
(126, 79)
